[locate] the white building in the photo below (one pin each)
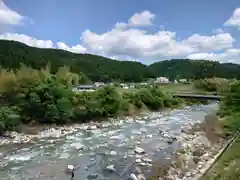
(161, 80)
(89, 88)
(183, 81)
(99, 84)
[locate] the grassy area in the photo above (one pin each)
(173, 88)
(228, 166)
(183, 89)
(179, 88)
(122, 90)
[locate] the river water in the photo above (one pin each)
(113, 144)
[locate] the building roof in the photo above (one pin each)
(85, 86)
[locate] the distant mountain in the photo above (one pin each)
(195, 69)
(99, 68)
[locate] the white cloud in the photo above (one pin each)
(126, 41)
(141, 19)
(121, 25)
(30, 41)
(8, 16)
(27, 40)
(234, 21)
(76, 49)
(229, 55)
(209, 43)
(140, 44)
(218, 31)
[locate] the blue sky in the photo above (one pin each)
(141, 30)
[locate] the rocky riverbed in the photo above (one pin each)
(116, 149)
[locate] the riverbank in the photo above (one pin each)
(227, 166)
(32, 133)
(126, 144)
(39, 97)
(199, 146)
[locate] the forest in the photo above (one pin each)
(97, 68)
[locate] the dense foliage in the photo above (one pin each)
(195, 69)
(98, 68)
(219, 85)
(9, 119)
(230, 108)
(38, 96)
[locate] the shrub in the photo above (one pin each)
(109, 100)
(39, 95)
(133, 99)
(231, 124)
(230, 107)
(9, 119)
(44, 97)
(212, 85)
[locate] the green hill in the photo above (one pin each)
(185, 68)
(98, 68)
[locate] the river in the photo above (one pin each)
(113, 144)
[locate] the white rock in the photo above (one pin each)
(199, 166)
(111, 168)
(138, 160)
(77, 146)
(139, 150)
(145, 159)
(188, 174)
(138, 156)
(141, 177)
(70, 168)
(142, 164)
(113, 153)
(92, 127)
(133, 177)
(149, 136)
(205, 156)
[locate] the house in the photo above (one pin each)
(161, 80)
(183, 81)
(99, 84)
(88, 88)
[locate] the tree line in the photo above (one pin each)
(97, 68)
(35, 96)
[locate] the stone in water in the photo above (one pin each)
(111, 168)
(133, 177)
(139, 150)
(70, 168)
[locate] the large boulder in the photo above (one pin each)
(139, 150)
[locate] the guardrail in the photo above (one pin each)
(219, 155)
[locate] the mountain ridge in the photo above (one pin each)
(98, 68)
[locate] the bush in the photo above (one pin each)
(212, 85)
(231, 124)
(39, 95)
(43, 97)
(104, 102)
(133, 99)
(230, 107)
(9, 119)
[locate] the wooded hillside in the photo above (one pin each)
(98, 68)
